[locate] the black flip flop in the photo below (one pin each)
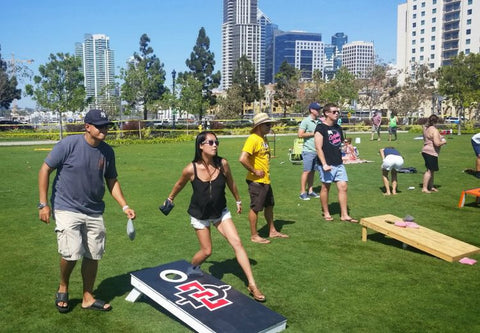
(98, 305)
(62, 297)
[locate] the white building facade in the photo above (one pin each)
(359, 58)
(430, 32)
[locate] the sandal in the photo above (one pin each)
(258, 239)
(62, 298)
(98, 305)
(351, 220)
(256, 293)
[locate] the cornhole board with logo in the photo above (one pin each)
(205, 303)
(427, 240)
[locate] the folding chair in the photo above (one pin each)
(475, 192)
(295, 153)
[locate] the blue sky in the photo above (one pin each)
(32, 29)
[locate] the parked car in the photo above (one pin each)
(6, 125)
(452, 120)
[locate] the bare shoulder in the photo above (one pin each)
(188, 170)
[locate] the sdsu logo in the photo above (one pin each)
(197, 295)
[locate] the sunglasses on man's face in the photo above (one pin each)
(211, 142)
(101, 127)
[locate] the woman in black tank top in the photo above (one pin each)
(208, 174)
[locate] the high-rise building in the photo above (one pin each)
(338, 40)
(431, 32)
(240, 36)
(98, 66)
(267, 29)
(359, 58)
(303, 50)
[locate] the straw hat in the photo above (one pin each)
(261, 118)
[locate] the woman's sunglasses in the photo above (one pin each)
(211, 142)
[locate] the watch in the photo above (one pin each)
(41, 205)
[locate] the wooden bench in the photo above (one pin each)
(427, 240)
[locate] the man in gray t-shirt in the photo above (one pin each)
(84, 164)
(309, 155)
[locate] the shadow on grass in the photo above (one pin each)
(381, 238)
(229, 266)
(118, 286)
(264, 231)
(112, 287)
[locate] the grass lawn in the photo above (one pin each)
(322, 279)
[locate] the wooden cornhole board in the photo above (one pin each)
(205, 303)
(427, 240)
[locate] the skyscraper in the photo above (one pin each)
(98, 66)
(431, 32)
(359, 58)
(267, 29)
(240, 36)
(302, 50)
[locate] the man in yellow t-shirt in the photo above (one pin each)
(255, 157)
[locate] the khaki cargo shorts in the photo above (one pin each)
(79, 235)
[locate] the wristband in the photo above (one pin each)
(124, 208)
(239, 202)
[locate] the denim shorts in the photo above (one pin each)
(338, 173)
(476, 147)
(202, 224)
(309, 161)
(79, 235)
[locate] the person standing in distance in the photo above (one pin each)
(309, 155)
(432, 141)
(392, 126)
(328, 142)
(376, 125)
(255, 157)
(84, 164)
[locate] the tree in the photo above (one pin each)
(244, 77)
(343, 89)
(286, 86)
(201, 65)
(59, 87)
(144, 78)
(8, 86)
(231, 106)
(191, 99)
(460, 81)
(374, 89)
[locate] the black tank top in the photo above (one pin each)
(208, 198)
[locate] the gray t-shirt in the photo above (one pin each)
(79, 184)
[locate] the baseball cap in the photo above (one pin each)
(315, 106)
(97, 118)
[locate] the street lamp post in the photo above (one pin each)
(174, 73)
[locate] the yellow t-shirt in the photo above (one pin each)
(259, 157)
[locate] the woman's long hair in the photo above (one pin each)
(217, 160)
(432, 120)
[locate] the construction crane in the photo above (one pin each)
(14, 62)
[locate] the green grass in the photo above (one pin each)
(322, 279)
